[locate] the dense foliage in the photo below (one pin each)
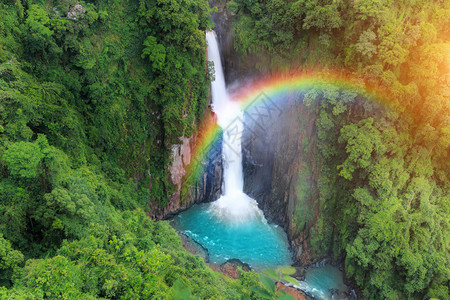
(384, 185)
(92, 95)
(113, 85)
(129, 257)
(94, 91)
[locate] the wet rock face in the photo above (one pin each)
(340, 295)
(230, 268)
(194, 247)
(206, 187)
(296, 293)
(263, 129)
(280, 167)
(235, 66)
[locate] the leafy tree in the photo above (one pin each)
(320, 14)
(23, 159)
(365, 45)
(10, 262)
(38, 40)
(54, 278)
(362, 140)
(156, 53)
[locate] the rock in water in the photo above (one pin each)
(230, 267)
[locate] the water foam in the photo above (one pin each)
(234, 205)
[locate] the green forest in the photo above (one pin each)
(385, 177)
(94, 94)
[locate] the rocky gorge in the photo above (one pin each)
(280, 165)
(281, 168)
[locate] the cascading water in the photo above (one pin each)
(233, 226)
(233, 205)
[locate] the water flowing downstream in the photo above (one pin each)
(233, 226)
(233, 205)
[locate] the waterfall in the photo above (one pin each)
(233, 205)
(232, 226)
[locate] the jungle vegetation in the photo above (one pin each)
(92, 96)
(94, 93)
(385, 175)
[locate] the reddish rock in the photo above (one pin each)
(230, 270)
(208, 187)
(297, 294)
(214, 267)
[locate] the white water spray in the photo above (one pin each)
(233, 205)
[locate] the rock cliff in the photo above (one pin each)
(280, 166)
(207, 185)
(236, 67)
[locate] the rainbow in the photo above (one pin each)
(282, 83)
(275, 86)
